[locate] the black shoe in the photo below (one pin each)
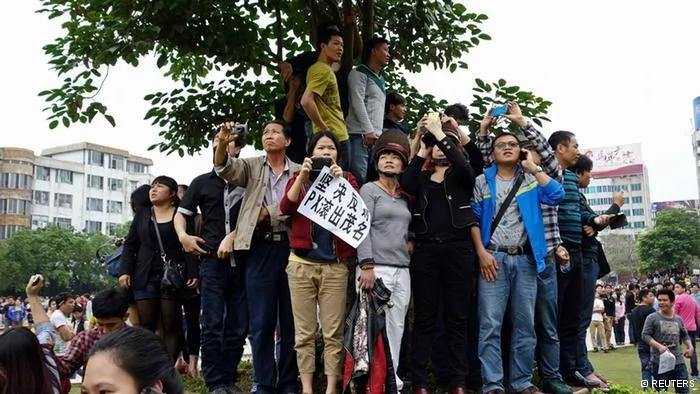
(556, 387)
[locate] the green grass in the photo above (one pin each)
(620, 366)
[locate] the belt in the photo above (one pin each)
(271, 236)
(511, 250)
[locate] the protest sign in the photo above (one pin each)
(333, 204)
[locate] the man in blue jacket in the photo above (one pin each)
(511, 247)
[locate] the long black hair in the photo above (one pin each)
(139, 198)
(24, 365)
(142, 355)
(317, 136)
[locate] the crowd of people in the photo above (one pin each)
(488, 237)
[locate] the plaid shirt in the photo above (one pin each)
(77, 352)
(549, 164)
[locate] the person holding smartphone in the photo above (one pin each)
(442, 265)
(317, 269)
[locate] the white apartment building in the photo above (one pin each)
(620, 168)
(83, 186)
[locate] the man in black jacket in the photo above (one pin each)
(637, 318)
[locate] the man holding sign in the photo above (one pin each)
(317, 269)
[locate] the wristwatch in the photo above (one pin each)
(538, 169)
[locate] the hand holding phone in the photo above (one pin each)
(499, 111)
(317, 164)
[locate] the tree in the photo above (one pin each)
(621, 252)
(674, 242)
(66, 258)
(224, 55)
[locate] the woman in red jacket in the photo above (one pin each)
(317, 271)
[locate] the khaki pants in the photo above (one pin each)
(608, 323)
(324, 285)
(598, 328)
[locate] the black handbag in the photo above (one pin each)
(172, 276)
(112, 261)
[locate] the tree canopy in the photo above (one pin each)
(65, 257)
(673, 243)
(224, 56)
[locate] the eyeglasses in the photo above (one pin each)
(510, 144)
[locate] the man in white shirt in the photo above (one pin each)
(597, 326)
(60, 319)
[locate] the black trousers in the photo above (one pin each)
(569, 297)
(441, 273)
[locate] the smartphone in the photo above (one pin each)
(317, 164)
(36, 279)
(240, 128)
(523, 155)
(499, 111)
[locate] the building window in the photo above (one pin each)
(64, 223)
(64, 176)
(116, 162)
(63, 200)
(638, 224)
(94, 204)
(15, 181)
(114, 207)
(96, 158)
(39, 221)
(134, 167)
(95, 182)
(636, 187)
(7, 231)
(133, 185)
(638, 212)
(112, 228)
(41, 198)
(42, 173)
(626, 212)
(93, 227)
(12, 206)
(637, 200)
(116, 185)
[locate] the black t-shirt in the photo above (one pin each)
(637, 318)
(609, 306)
(629, 302)
(211, 194)
(390, 124)
(438, 216)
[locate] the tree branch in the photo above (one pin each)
(278, 30)
(367, 20)
(333, 7)
(313, 21)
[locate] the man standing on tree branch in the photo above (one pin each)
(321, 100)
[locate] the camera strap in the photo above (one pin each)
(506, 202)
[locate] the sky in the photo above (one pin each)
(617, 72)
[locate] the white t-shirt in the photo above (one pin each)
(597, 304)
(58, 319)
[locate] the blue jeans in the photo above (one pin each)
(224, 321)
(645, 360)
(546, 321)
(589, 275)
(516, 278)
(358, 157)
(269, 302)
(679, 375)
(694, 356)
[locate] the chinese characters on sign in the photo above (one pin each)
(333, 204)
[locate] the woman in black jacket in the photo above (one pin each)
(442, 265)
(143, 267)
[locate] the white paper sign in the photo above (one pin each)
(333, 204)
